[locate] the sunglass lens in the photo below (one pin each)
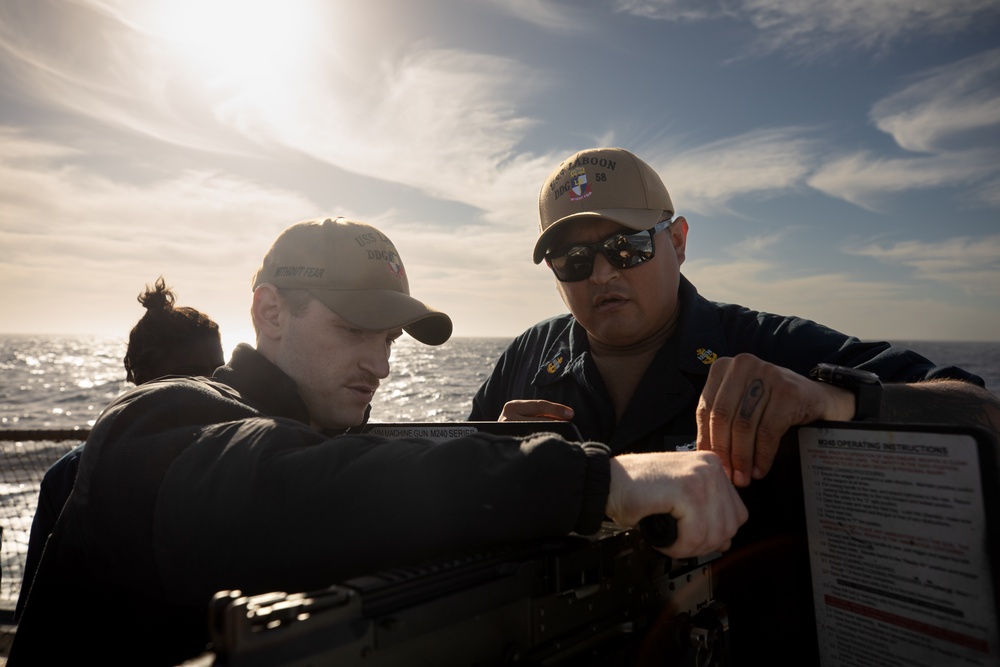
(628, 250)
(622, 250)
(575, 265)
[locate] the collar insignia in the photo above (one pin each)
(706, 356)
(554, 365)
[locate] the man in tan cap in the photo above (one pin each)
(346, 286)
(643, 363)
(255, 480)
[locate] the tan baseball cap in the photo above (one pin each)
(609, 183)
(354, 270)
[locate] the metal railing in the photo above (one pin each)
(25, 455)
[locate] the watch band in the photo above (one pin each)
(868, 402)
(866, 386)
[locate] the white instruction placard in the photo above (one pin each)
(898, 548)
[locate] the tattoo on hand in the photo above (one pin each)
(750, 400)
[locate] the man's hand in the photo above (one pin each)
(535, 410)
(690, 486)
(748, 405)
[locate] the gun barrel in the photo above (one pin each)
(603, 598)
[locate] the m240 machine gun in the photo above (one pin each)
(607, 599)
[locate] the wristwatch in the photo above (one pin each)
(866, 386)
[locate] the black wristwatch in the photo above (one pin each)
(866, 386)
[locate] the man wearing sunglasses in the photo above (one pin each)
(643, 363)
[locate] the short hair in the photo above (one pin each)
(163, 330)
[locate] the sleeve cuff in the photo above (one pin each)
(596, 487)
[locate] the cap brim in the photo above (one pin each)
(380, 310)
(633, 218)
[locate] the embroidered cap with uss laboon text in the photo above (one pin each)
(609, 183)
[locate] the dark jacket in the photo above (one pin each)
(190, 486)
(552, 361)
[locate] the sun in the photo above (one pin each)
(235, 41)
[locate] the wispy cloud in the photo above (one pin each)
(926, 278)
(989, 193)
(206, 231)
(763, 163)
(752, 246)
(939, 108)
(65, 225)
(444, 121)
(971, 265)
(118, 76)
(77, 205)
(839, 300)
(123, 167)
(448, 122)
(813, 28)
(847, 302)
(865, 179)
(674, 10)
(545, 13)
(949, 116)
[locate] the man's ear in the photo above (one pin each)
(266, 310)
(679, 236)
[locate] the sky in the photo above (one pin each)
(838, 160)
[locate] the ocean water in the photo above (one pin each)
(63, 382)
(981, 358)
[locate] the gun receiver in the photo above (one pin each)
(605, 599)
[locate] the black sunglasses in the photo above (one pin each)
(576, 262)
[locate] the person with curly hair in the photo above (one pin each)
(166, 341)
(171, 340)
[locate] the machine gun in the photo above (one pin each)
(599, 600)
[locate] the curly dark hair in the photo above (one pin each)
(167, 339)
